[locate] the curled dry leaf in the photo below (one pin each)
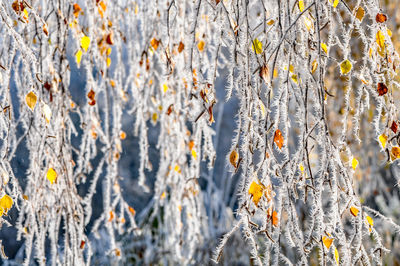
(382, 89)
(264, 74)
(110, 38)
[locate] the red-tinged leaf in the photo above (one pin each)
(380, 18)
(394, 127)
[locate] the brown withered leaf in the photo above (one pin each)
(170, 109)
(110, 38)
(278, 138)
(382, 89)
(380, 18)
(91, 95)
(264, 74)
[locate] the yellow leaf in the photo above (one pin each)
(354, 211)
(354, 163)
(337, 256)
(360, 13)
(6, 203)
(31, 100)
(78, 57)
(257, 46)
(85, 42)
(256, 191)
(380, 39)
(345, 67)
(165, 87)
(108, 61)
(271, 22)
(327, 241)
(25, 15)
(389, 32)
(47, 112)
(275, 74)
(295, 78)
(301, 5)
(51, 175)
(194, 154)
(314, 66)
(324, 47)
(154, 117)
(233, 158)
(308, 23)
(383, 139)
(301, 167)
(370, 221)
(291, 68)
(335, 3)
(262, 107)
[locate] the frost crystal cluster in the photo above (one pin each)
(314, 89)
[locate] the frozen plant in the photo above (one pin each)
(316, 85)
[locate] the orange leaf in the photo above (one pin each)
(111, 216)
(275, 219)
(327, 241)
(154, 43)
(354, 211)
(278, 138)
(131, 210)
(77, 10)
(380, 18)
(233, 158)
(181, 47)
(200, 46)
